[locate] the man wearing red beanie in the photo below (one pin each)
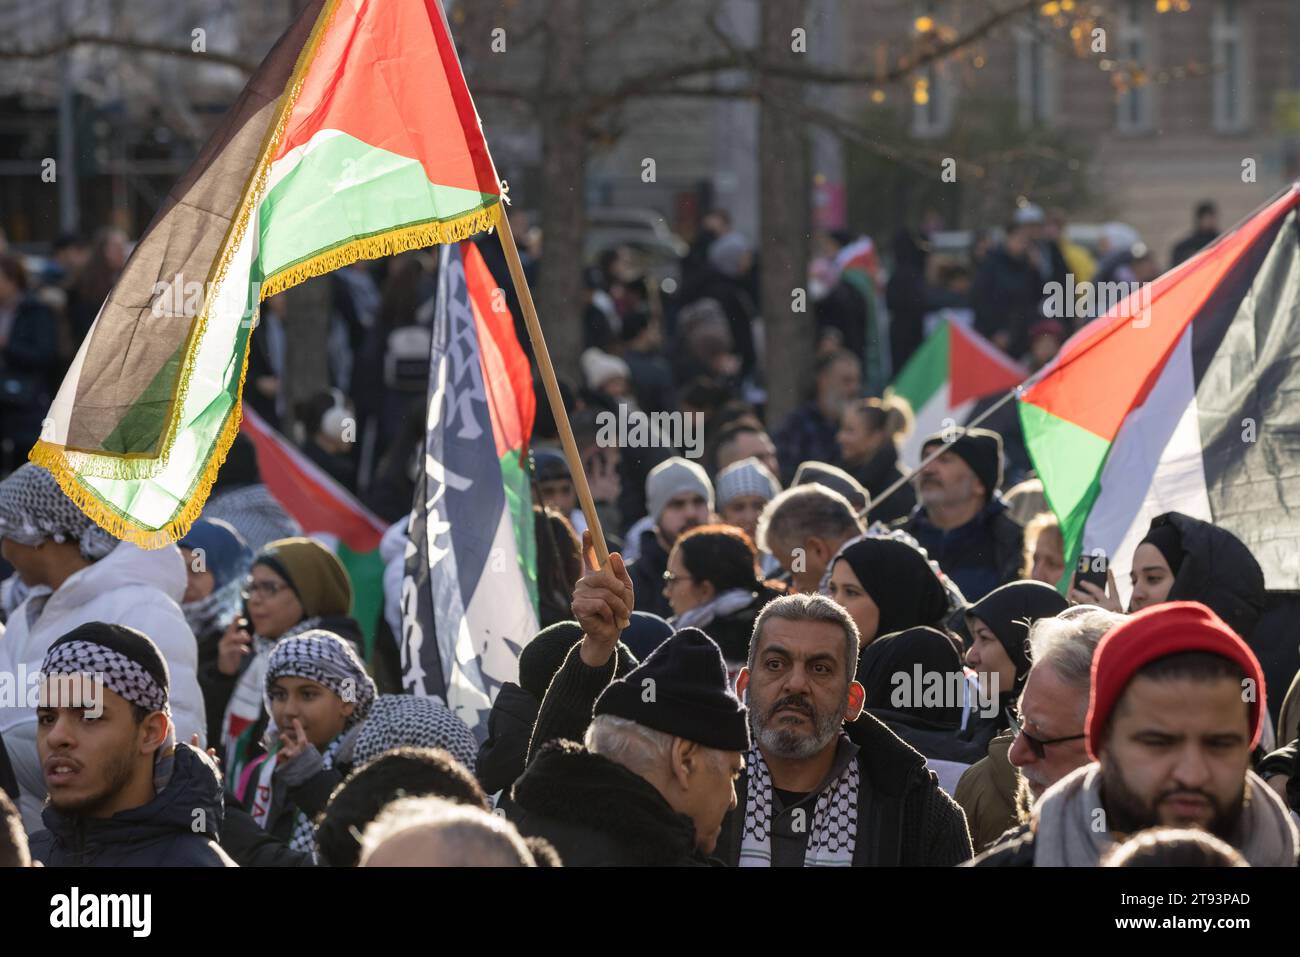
(1176, 706)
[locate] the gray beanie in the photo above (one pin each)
(746, 477)
(672, 477)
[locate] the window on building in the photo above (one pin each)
(1230, 57)
(1135, 107)
(933, 91)
(1036, 78)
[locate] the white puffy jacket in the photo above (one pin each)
(129, 586)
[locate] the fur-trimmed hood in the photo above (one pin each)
(597, 812)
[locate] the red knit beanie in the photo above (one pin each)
(1171, 628)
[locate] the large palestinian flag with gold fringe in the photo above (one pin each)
(355, 139)
(1188, 402)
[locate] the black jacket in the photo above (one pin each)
(250, 846)
(29, 362)
(1274, 643)
(1007, 296)
(597, 813)
(647, 574)
(979, 556)
(8, 782)
(877, 474)
(931, 739)
(905, 817)
(1013, 849)
(510, 725)
(180, 827)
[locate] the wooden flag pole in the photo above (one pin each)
(558, 411)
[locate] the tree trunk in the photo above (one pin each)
(563, 200)
(785, 216)
(306, 360)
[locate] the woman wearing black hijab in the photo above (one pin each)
(999, 627)
(915, 684)
(887, 585)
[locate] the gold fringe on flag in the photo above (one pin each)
(68, 464)
(389, 243)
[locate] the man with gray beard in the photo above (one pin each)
(824, 783)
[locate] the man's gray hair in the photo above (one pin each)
(806, 510)
(641, 750)
(466, 836)
(809, 608)
(1067, 644)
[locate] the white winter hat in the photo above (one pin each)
(746, 477)
(672, 477)
(598, 367)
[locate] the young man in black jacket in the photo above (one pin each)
(679, 496)
(122, 792)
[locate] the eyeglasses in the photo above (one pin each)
(670, 578)
(1037, 745)
(265, 589)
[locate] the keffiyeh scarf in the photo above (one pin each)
(213, 613)
(325, 658)
(832, 832)
(403, 720)
(246, 706)
(33, 509)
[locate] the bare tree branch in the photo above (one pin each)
(132, 45)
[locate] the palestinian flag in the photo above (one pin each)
(327, 512)
(469, 597)
(355, 139)
(954, 368)
(1184, 398)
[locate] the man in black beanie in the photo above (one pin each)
(663, 745)
(122, 791)
(961, 519)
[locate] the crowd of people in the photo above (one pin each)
(794, 656)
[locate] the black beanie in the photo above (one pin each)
(899, 580)
(978, 448)
(690, 696)
(128, 642)
(543, 656)
(1008, 611)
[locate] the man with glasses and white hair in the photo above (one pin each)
(1047, 724)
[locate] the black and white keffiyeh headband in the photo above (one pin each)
(119, 673)
(33, 510)
(327, 659)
